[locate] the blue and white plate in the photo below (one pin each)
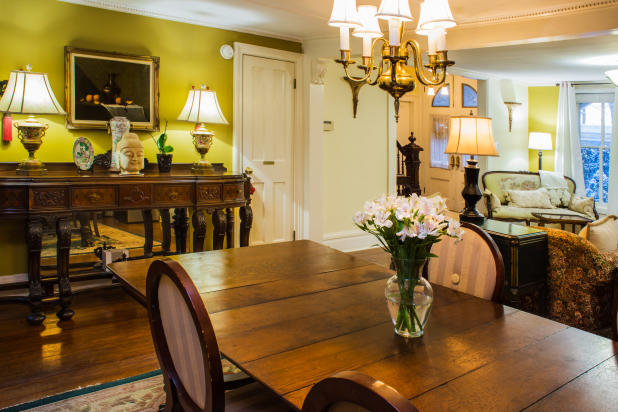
(83, 153)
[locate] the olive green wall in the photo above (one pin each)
(36, 31)
(542, 117)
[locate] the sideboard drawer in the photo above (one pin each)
(135, 195)
(13, 199)
(209, 193)
(235, 191)
(48, 198)
(173, 194)
(94, 197)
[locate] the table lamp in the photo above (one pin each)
(540, 141)
(202, 107)
(30, 93)
(471, 136)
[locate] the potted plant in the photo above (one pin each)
(406, 227)
(164, 157)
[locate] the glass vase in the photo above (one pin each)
(409, 297)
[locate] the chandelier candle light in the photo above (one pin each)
(30, 93)
(202, 107)
(393, 73)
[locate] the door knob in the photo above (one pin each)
(248, 170)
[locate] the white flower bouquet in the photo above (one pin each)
(406, 227)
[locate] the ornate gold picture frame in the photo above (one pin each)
(100, 85)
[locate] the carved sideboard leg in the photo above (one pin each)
(229, 214)
(147, 218)
(84, 228)
(181, 225)
(34, 238)
(218, 233)
(246, 220)
(63, 232)
(166, 230)
(199, 230)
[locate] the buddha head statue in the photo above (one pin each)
(131, 154)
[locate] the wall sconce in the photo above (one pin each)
(509, 107)
(356, 86)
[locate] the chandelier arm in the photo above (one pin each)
(418, 66)
(381, 67)
(358, 79)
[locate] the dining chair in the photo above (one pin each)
(473, 266)
(615, 311)
(350, 391)
(187, 348)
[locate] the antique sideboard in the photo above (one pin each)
(63, 194)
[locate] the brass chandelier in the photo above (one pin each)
(393, 72)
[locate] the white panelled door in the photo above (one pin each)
(267, 145)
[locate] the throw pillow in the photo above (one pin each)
(494, 200)
(603, 234)
(538, 198)
(583, 205)
(559, 196)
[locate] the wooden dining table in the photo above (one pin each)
(291, 314)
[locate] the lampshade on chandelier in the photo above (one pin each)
(393, 73)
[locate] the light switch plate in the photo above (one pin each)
(329, 125)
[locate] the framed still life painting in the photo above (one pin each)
(101, 85)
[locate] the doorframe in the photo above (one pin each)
(298, 140)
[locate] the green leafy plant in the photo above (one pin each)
(161, 140)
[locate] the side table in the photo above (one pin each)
(524, 251)
(562, 219)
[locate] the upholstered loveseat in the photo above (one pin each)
(498, 184)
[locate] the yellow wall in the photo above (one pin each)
(36, 31)
(542, 117)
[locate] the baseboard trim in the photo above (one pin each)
(349, 240)
(12, 279)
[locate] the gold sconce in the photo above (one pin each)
(393, 73)
(509, 107)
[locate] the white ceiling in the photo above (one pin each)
(304, 20)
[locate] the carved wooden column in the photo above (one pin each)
(34, 238)
(229, 215)
(245, 212)
(412, 162)
(220, 225)
(199, 230)
(181, 225)
(166, 230)
(63, 233)
(148, 229)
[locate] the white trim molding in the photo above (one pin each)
(349, 240)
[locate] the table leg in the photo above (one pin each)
(181, 225)
(199, 230)
(84, 228)
(562, 226)
(246, 220)
(148, 235)
(229, 215)
(218, 233)
(63, 232)
(166, 230)
(34, 239)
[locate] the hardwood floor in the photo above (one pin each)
(107, 339)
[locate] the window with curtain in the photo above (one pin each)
(595, 112)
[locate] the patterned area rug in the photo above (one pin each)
(141, 393)
(109, 235)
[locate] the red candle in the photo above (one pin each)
(7, 128)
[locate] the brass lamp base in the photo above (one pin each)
(30, 133)
(202, 140)
(202, 167)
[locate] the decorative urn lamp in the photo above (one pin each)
(202, 107)
(471, 136)
(30, 93)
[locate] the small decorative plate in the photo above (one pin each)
(83, 153)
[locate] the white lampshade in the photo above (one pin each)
(435, 14)
(394, 10)
(472, 136)
(344, 14)
(613, 76)
(540, 141)
(29, 93)
(370, 27)
(202, 107)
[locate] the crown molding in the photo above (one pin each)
(543, 12)
(114, 6)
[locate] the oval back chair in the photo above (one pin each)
(350, 391)
(473, 265)
(184, 339)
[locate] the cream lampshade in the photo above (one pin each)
(394, 9)
(202, 107)
(471, 136)
(344, 16)
(370, 28)
(540, 141)
(30, 93)
(435, 14)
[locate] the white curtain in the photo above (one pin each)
(612, 201)
(568, 157)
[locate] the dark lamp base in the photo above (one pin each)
(471, 194)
